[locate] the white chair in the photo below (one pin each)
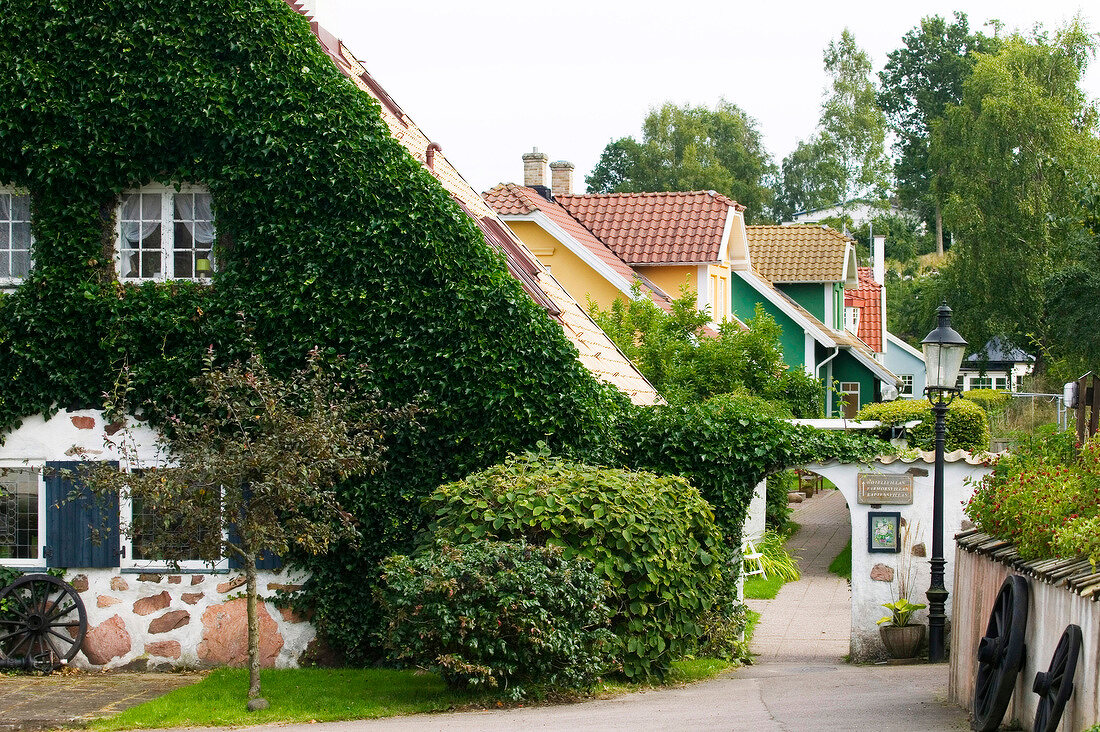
(752, 561)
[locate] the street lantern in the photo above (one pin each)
(943, 355)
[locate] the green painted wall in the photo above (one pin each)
(744, 298)
(809, 296)
(838, 306)
(847, 368)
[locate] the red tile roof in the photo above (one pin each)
(868, 298)
(655, 228)
(798, 253)
(510, 199)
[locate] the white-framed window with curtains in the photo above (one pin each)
(22, 513)
(165, 234)
(16, 241)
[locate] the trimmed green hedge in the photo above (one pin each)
(990, 400)
(500, 615)
(967, 425)
(652, 538)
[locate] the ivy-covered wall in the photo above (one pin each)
(329, 234)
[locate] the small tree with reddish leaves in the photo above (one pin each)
(253, 468)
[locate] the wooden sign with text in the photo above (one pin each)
(881, 489)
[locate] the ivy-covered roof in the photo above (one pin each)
(596, 351)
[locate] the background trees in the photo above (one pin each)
(845, 158)
(691, 149)
(920, 79)
(1012, 158)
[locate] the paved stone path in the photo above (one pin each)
(810, 620)
(43, 702)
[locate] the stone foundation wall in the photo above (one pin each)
(184, 620)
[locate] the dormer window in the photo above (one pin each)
(165, 234)
(851, 319)
(15, 236)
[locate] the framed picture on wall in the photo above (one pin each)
(883, 531)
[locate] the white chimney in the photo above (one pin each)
(561, 173)
(535, 170)
(878, 259)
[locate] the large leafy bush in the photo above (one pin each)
(497, 614)
(652, 538)
(1044, 497)
(991, 400)
(966, 422)
(329, 234)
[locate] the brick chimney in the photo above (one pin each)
(536, 174)
(561, 173)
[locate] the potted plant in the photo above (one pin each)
(901, 638)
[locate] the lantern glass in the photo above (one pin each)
(943, 353)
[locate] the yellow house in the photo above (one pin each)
(598, 245)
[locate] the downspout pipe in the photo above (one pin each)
(828, 403)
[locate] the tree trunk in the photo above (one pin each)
(253, 629)
(939, 229)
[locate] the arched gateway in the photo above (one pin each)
(884, 498)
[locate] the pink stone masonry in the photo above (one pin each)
(83, 423)
(149, 605)
(191, 597)
(106, 641)
(106, 601)
(232, 584)
(164, 649)
(225, 635)
(119, 585)
(169, 621)
(882, 573)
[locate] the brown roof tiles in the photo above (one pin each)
(655, 228)
(799, 253)
(868, 298)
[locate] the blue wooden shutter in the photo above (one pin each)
(81, 530)
(267, 560)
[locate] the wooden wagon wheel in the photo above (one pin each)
(43, 619)
(1056, 683)
(1000, 654)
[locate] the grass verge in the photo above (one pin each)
(329, 695)
(842, 565)
(758, 588)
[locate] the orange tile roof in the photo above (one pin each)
(655, 228)
(516, 200)
(799, 253)
(595, 350)
(868, 298)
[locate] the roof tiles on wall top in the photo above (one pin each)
(655, 228)
(798, 253)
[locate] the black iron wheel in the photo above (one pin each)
(43, 619)
(1056, 683)
(1000, 654)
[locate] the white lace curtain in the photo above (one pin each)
(135, 230)
(197, 214)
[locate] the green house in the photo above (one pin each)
(798, 274)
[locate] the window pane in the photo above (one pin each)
(153, 531)
(150, 264)
(150, 207)
(20, 264)
(21, 236)
(21, 208)
(5, 263)
(19, 514)
(183, 266)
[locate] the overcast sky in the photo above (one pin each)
(490, 79)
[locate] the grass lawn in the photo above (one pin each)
(325, 695)
(842, 565)
(758, 588)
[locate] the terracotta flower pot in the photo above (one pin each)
(902, 641)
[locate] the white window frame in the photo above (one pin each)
(167, 233)
(846, 391)
(129, 561)
(851, 319)
(906, 388)
(39, 468)
(6, 281)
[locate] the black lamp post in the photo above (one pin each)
(943, 354)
